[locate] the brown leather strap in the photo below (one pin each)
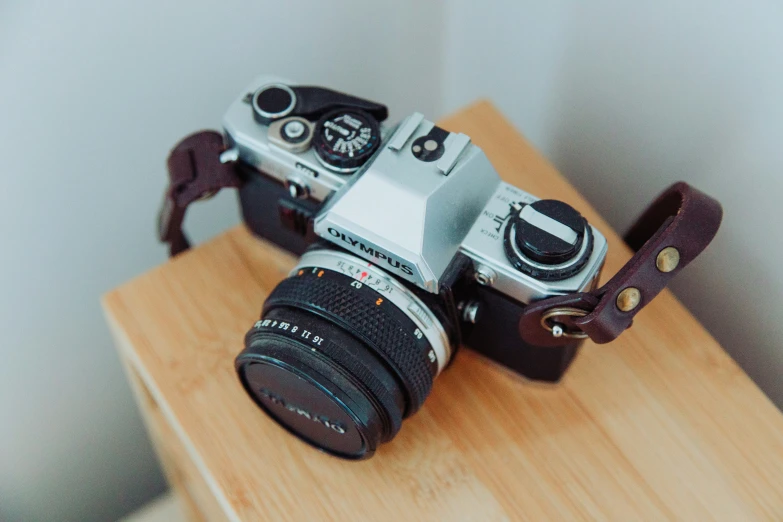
(675, 229)
(195, 172)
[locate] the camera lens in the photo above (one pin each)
(342, 353)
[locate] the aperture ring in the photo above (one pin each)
(389, 288)
(378, 323)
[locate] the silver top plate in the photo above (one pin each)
(405, 214)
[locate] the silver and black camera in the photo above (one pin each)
(411, 247)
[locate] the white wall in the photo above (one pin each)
(92, 96)
(627, 97)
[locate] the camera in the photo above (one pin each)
(411, 246)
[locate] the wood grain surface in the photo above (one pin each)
(659, 425)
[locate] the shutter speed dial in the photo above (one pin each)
(548, 240)
(345, 139)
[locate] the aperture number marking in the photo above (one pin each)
(291, 328)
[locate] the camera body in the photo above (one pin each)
(411, 246)
(434, 219)
(426, 206)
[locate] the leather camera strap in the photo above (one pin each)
(195, 172)
(671, 233)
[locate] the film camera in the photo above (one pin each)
(411, 246)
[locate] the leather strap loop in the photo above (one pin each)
(195, 172)
(682, 221)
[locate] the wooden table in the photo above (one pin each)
(659, 425)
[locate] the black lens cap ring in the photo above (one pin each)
(306, 403)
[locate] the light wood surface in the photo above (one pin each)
(659, 425)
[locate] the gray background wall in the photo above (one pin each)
(624, 98)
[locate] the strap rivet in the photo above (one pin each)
(667, 259)
(629, 299)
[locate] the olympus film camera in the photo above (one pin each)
(411, 246)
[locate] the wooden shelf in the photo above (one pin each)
(659, 425)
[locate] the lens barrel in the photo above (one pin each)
(336, 361)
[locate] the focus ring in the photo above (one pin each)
(332, 297)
